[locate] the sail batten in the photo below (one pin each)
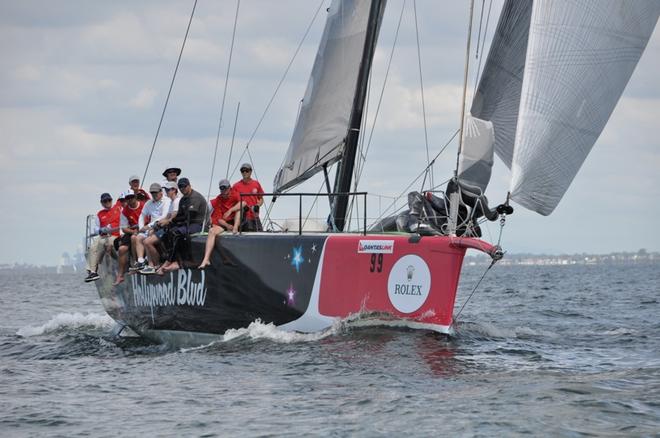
(580, 56)
(322, 124)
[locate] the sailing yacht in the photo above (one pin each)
(552, 78)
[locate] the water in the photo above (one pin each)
(546, 351)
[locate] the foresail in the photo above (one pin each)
(498, 95)
(580, 56)
(323, 119)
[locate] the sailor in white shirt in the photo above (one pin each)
(153, 213)
(151, 243)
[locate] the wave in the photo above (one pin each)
(63, 321)
(470, 329)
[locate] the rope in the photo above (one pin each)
(224, 95)
(417, 178)
(162, 115)
(474, 290)
(222, 109)
(233, 136)
(421, 87)
(286, 71)
(483, 42)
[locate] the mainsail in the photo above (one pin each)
(322, 124)
(580, 56)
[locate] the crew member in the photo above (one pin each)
(128, 222)
(171, 174)
(107, 228)
(154, 210)
(191, 216)
(226, 215)
(134, 184)
(153, 242)
(252, 202)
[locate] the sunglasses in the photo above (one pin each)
(246, 170)
(106, 200)
(182, 186)
(224, 187)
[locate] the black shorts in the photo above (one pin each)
(124, 240)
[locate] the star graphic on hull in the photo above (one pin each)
(297, 258)
(291, 295)
(314, 248)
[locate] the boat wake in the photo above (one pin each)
(68, 321)
(259, 330)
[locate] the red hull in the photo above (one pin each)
(408, 278)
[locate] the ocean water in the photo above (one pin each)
(542, 351)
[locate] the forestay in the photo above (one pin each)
(580, 56)
(323, 119)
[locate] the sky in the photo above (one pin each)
(84, 84)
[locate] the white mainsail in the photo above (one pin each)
(323, 120)
(580, 56)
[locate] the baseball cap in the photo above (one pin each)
(169, 185)
(155, 187)
(133, 178)
(224, 183)
(106, 197)
(183, 182)
(246, 166)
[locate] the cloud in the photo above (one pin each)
(144, 99)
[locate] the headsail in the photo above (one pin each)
(498, 96)
(324, 115)
(580, 56)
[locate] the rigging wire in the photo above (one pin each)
(481, 19)
(444, 147)
(233, 136)
(224, 95)
(492, 263)
(167, 99)
(277, 88)
(421, 87)
(483, 43)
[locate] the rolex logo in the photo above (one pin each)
(410, 270)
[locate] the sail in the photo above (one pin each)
(580, 56)
(475, 161)
(322, 124)
(498, 95)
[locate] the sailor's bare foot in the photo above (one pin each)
(118, 280)
(204, 264)
(171, 267)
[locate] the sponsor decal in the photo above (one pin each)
(176, 289)
(376, 246)
(409, 283)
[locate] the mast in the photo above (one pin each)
(347, 163)
(453, 197)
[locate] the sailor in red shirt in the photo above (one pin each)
(226, 216)
(134, 183)
(107, 228)
(128, 221)
(252, 203)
